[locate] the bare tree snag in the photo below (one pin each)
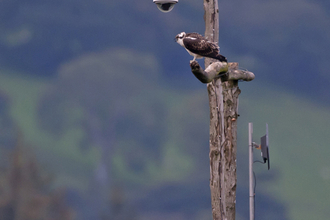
(223, 100)
(222, 85)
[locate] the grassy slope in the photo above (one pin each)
(299, 140)
(24, 93)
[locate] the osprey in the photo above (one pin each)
(199, 47)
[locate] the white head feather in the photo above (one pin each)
(179, 38)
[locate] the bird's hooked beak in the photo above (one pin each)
(176, 38)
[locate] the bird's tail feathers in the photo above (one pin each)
(221, 58)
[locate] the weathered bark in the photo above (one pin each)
(216, 134)
(223, 100)
(234, 73)
(228, 148)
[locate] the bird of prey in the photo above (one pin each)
(199, 47)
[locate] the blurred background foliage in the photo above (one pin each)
(100, 117)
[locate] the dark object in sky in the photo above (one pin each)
(264, 147)
(165, 5)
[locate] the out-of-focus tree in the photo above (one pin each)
(7, 125)
(116, 101)
(113, 96)
(25, 189)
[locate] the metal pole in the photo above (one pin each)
(251, 172)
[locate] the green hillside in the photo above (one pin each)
(298, 134)
(106, 100)
(299, 147)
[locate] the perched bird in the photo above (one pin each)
(199, 47)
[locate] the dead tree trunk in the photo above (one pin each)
(223, 94)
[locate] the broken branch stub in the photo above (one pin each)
(227, 72)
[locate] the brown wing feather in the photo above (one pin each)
(196, 43)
